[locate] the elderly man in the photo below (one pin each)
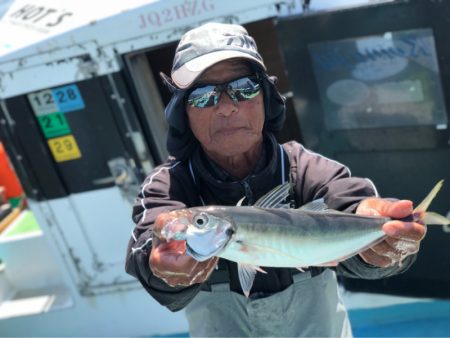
(222, 116)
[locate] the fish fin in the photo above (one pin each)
(435, 218)
(275, 197)
(247, 273)
(423, 206)
(259, 269)
(318, 205)
(431, 217)
(329, 264)
(301, 268)
(239, 203)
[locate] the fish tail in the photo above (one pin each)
(435, 218)
(430, 217)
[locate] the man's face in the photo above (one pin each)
(229, 128)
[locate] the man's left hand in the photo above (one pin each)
(403, 238)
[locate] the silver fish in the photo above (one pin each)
(266, 236)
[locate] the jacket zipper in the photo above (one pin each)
(248, 192)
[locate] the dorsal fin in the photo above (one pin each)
(318, 205)
(275, 197)
(239, 203)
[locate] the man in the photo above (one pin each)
(222, 116)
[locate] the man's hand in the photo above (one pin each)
(168, 260)
(403, 238)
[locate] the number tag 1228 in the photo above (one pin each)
(61, 99)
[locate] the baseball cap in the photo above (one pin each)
(206, 45)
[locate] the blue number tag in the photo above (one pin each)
(68, 98)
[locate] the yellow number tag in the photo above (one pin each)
(64, 148)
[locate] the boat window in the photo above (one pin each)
(388, 80)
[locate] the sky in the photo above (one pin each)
(4, 4)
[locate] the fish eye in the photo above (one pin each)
(201, 220)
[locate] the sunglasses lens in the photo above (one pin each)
(242, 89)
(245, 88)
(202, 97)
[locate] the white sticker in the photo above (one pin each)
(43, 102)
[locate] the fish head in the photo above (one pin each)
(207, 235)
(205, 231)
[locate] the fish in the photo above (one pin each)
(269, 234)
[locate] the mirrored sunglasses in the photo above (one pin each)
(242, 89)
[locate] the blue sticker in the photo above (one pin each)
(68, 98)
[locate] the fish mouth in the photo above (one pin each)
(175, 229)
(205, 256)
(195, 255)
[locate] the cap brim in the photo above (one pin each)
(186, 75)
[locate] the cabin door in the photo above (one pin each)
(80, 153)
(370, 89)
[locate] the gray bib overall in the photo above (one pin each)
(310, 307)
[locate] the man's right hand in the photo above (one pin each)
(169, 261)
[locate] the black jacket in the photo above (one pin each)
(197, 181)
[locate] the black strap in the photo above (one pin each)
(316, 270)
(221, 275)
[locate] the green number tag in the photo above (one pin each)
(53, 125)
